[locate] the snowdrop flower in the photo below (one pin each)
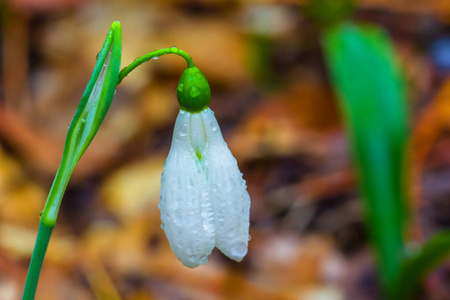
(204, 201)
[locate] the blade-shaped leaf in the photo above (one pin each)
(90, 113)
(419, 264)
(372, 94)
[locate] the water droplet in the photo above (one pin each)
(105, 65)
(196, 229)
(178, 217)
(249, 237)
(174, 49)
(115, 92)
(194, 91)
(96, 57)
(183, 131)
(180, 87)
(156, 57)
(182, 112)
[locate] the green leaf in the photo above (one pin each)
(91, 111)
(420, 263)
(372, 93)
(88, 117)
(328, 12)
(97, 97)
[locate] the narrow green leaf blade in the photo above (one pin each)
(419, 264)
(91, 111)
(98, 95)
(372, 91)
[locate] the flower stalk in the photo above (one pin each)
(154, 55)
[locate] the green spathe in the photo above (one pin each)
(90, 113)
(193, 92)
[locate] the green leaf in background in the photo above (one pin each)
(373, 97)
(420, 263)
(327, 12)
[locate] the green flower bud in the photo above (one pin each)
(193, 91)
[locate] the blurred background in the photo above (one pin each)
(273, 99)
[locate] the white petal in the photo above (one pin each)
(228, 192)
(186, 211)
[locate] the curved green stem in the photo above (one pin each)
(153, 55)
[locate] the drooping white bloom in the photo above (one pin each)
(204, 201)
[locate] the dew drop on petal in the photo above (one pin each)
(213, 126)
(183, 131)
(177, 217)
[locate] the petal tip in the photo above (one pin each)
(193, 261)
(237, 252)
